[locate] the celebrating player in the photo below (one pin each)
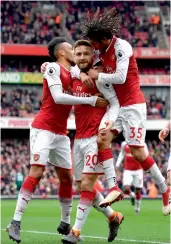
(132, 176)
(86, 165)
(48, 140)
(120, 69)
(85, 146)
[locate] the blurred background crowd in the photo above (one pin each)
(38, 22)
(26, 102)
(15, 167)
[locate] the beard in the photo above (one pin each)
(85, 68)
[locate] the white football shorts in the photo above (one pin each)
(133, 178)
(46, 146)
(132, 121)
(86, 157)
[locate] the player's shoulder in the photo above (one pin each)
(122, 47)
(52, 69)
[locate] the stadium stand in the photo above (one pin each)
(146, 25)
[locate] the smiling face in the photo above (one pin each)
(84, 57)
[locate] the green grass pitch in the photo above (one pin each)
(42, 216)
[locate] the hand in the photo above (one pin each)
(43, 67)
(109, 124)
(101, 102)
(163, 134)
(99, 68)
(117, 169)
(86, 80)
(93, 74)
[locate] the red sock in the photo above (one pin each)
(127, 192)
(87, 196)
(147, 163)
(105, 154)
(138, 195)
(65, 191)
(30, 184)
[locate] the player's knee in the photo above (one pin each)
(104, 139)
(139, 154)
(87, 183)
(36, 171)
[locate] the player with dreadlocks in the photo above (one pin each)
(121, 71)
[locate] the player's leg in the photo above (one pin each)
(149, 165)
(127, 182)
(138, 198)
(39, 143)
(114, 218)
(65, 198)
(90, 197)
(60, 157)
(106, 159)
(134, 132)
(138, 184)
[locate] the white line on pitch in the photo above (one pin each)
(94, 237)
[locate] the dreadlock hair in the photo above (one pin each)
(53, 46)
(101, 26)
(82, 43)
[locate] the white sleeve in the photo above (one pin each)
(75, 72)
(114, 109)
(123, 52)
(109, 94)
(121, 155)
(52, 75)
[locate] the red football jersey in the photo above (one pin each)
(87, 118)
(129, 162)
(128, 93)
(53, 117)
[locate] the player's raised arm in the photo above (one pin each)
(121, 155)
(52, 75)
(123, 52)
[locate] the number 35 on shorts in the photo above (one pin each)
(136, 134)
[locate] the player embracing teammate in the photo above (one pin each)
(121, 71)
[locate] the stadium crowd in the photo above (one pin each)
(32, 23)
(26, 103)
(15, 159)
(12, 66)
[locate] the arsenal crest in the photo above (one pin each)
(36, 157)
